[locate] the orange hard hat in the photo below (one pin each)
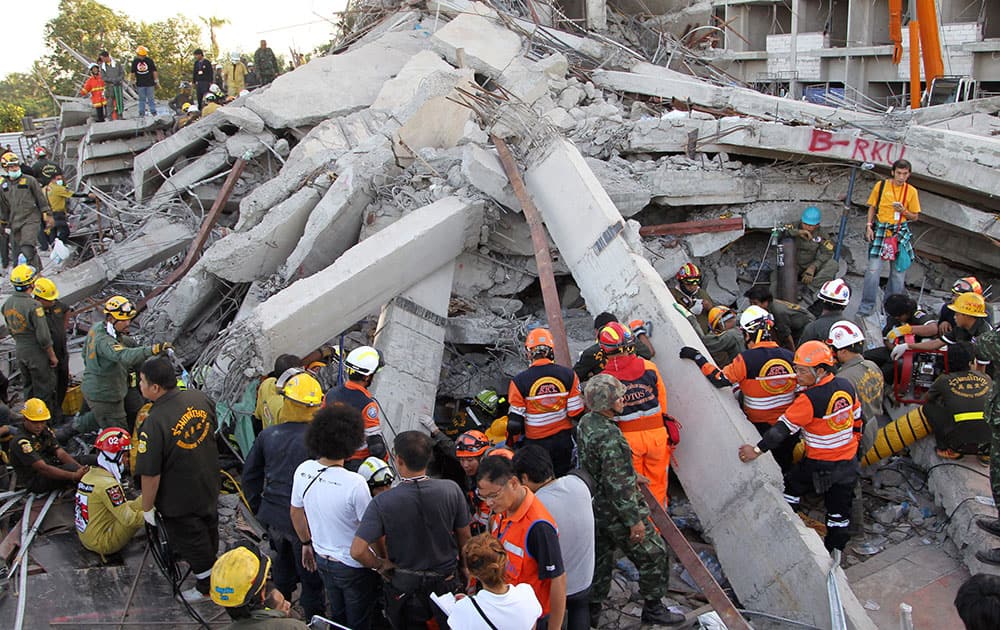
(539, 337)
(814, 353)
(967, 284)
(471, 444)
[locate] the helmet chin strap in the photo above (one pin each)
(113, 466)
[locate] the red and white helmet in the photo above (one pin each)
(113, 440)
(844, 334)
(40, 152)
(835, 291)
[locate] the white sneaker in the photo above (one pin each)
(194, 596)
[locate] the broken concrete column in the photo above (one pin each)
(156, 241)
(212, 163)
(411, 339)
(311, 310)
(177, 308)
(148, 165)
(741, 506)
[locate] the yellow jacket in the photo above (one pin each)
(105, 519)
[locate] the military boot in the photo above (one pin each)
(654, 612)
(990, 556)
(991, 525)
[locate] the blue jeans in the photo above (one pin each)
(869, 294)
(350, 592)
(146, 96)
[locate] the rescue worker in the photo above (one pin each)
(814, 263)
(621, 516)
(267, 483)
(470, 448)
(190, 114)
(361, 365)
(105, 518)
(893, 203)
(643, 420)
(113, 74)
(955, 405)
(56, 316)
(691, 296)
(266, 62)
(763, 374)
(970, 322)
(57, 194)
(26, 323)
(725, 341)
(494, 409)
(591, 360)
(234, 73)
(789, 319)
(828, 417)
(269, 399)
(377, 474)
(946, 317)
(528, 533)
(238, 583)
(94, 87)
(988, 348)
(903, 317)
(211, 104)
(39, 462)
(178, 467)
(44, 168)
(544, 400)
(834, 296)
(640, 330)
(109, 354)
(183, 96)
(848, 342)
(23, 207)
(201, 75)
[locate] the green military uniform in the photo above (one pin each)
(267, 620)
(22, 204)
(814, 251)
(592, 360)
(27, 449)
(988, 349)
(266, 65)
(32, 338)
(105, 518)
(618, 505)
(689, 302)
(55, 317)
(792, 316)
(724, 346)
(955, 408)
(107, 362)
(868, 384)
(819, 329)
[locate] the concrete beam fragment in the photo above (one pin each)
(741, 506)
(156, 241)
(411, 338)
(211, 163)
(148, 164)
(111, 148)
(128, 128)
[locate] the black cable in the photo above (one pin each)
(978, 472)
(159, 547)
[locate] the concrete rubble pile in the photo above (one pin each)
(372, 193)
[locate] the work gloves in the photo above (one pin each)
(428, 423)
(150, 517)
(899, 351)
(162, 347)
(697, 307)
(687, 352)
(898, 333)
(808, 275)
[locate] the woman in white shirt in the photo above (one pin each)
(499, 606)
(328, 502)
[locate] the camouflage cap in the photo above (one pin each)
(602, 391)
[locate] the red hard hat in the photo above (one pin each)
(615, 338)
(113, 440)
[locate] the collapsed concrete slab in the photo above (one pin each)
(310, 311)
(629, 195)
(397, 92)
(112, 148)
(339, 84)
(411, 339)
(148, 165)
(156, 241)
(242, 117)
(486, 47)
(482, 169)
(207, 165)
(128, 128)
(741, 506)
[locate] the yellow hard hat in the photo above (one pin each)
(142, 51)
(304, 389)
(9, 159)
(45, 289)
(238, 575)
(185, 107)
(971, 304)
(23, 275)
(120, 308)
(35, 410)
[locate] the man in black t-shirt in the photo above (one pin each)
(146, 79)
(201, 75)
(179, 465)
(416, 530)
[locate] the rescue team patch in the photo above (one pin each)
(25, 446)
(838, 411)
(40, 311)
(81, 513)
(371, 411)
(547, 394)
(192, 428)
(116, 494)
(142, 442)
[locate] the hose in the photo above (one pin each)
(897, 435)
(239, 489)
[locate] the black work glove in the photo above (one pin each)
(687, 352)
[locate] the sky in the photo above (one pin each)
(304, 24)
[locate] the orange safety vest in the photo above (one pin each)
(765, 375)
(94, 86)
(829, 416)
(546, 395)
(512, 531)
(645, 394)
(358, 396)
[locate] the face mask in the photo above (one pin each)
(59, 181)
(14, 174)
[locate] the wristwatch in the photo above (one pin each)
(756, 449)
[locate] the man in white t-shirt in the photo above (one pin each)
(327, 504)
(568, 500)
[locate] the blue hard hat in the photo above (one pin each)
(811, 215)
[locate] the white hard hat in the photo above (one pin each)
(214, 89)
(376, 472)
(755, 318)
(835, 291)
(364, 360)
(234, 57)
(844, 334)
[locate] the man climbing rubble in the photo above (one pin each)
(23, 208)
(763, 374)
(109, 354)
(104, 516)
(26, 323)
(39, 462)
(828, 417)
(592, 359)
(544, 399)
(361, 365)
(691, 295)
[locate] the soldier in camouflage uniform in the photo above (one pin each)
(266, 63)
(988, 349)
(621, 514)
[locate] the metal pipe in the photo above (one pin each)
(22, 583)
(22, 553)
(546, 277)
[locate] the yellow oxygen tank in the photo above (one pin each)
(897, 435)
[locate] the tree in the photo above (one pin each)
(88, 27)
(10, 116)
(213, 23)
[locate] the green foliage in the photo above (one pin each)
(27, 91)
(10, 116)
